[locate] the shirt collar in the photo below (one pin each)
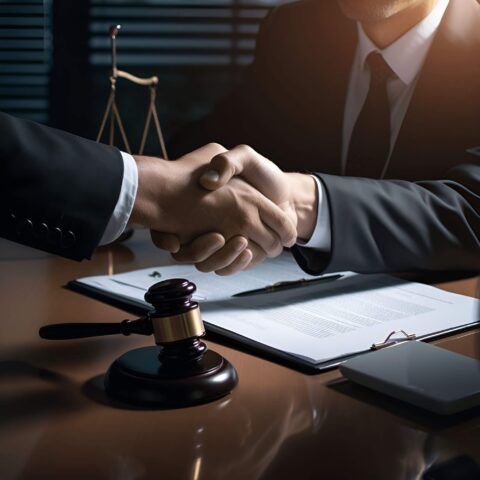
(406, 55)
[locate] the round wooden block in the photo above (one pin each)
(137, 378)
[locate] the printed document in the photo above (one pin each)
(318, 323)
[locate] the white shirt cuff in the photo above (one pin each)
(321, 238)
(126, 199)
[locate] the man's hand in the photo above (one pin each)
(295, 193)
(170, 199)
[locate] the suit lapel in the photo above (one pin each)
(332, 80)
(325, 58)
(444, 109)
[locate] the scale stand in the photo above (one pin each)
(112, 114)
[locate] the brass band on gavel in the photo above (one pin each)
(178, 327)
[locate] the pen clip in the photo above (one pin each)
(288, 283)
(274, 287)
(389, 341)
(305, 281)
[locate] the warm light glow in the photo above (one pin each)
(196, 468)
(110, 263)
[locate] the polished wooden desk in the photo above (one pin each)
(277, 424)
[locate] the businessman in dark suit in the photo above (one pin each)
(66, 195)
(292, 105)
(383, 98)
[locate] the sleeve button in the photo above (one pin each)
(69, 239)
(57, 236)
(24, 228)
(42, 231)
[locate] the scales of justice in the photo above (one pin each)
(112, 114)
(179, 370)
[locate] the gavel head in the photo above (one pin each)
(175, 316)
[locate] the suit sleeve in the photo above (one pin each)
(393, 225)
(57, 190)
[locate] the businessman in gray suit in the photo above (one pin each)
(382, 98)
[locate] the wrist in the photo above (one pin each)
(148, 208)
(304, 198)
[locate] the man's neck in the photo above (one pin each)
(384, 32)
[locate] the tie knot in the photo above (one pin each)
(379, 68)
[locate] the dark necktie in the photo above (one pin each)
(370, 142)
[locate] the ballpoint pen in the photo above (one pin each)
(303, 282)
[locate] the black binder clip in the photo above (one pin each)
(389, 341)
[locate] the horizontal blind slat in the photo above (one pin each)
(189, 33)
(25, 49)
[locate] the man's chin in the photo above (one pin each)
(368, 11)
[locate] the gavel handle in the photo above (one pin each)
(68, 331)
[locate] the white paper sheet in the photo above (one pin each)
(330, 321)
(317, 323)
(209, 286)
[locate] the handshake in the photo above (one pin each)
(223, 211)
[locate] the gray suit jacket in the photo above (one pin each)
(397, 225)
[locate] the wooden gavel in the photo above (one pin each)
(183, 371)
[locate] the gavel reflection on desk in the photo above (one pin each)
(178, 372)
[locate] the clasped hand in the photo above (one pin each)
(221, 210)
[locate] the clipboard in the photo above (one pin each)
(247, 345)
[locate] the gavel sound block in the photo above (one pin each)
(180, 371)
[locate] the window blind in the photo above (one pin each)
(177, 33)
(25, 55)
(197, 48)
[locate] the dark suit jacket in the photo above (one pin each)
(290, 108)
(57, 191)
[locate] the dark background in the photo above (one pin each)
(55, 58)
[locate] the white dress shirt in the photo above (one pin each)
(405, 57)
(123, 209)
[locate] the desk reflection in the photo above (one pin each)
(267, 429)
